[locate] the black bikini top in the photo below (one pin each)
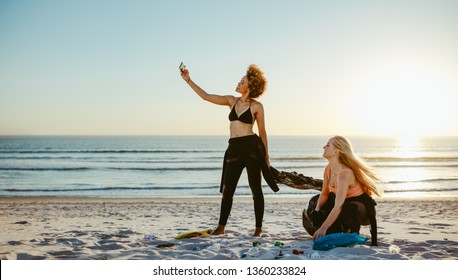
(245, 117)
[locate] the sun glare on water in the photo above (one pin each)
(408, 147)
(408, 152)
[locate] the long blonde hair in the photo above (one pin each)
(363, 174)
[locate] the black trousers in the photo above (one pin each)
(242, 153)
(349, 220)
(356, 211)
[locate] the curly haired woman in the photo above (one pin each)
(245, 149)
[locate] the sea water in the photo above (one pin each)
(190, 166)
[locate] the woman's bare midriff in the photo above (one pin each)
(240, 129)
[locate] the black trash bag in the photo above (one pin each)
(311, 219)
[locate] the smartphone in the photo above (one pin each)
(182, 66)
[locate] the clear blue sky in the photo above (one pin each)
(334, 67)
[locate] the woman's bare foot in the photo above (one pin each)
(258, 232)
(218, 230)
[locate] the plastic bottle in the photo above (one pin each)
(417, 256)
(279, 244)
(394, 249)
(315, 256)
(149, 237)
(253, 252)
(215, 247)
(197, 248)
(279, 255)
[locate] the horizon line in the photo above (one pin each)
(226, 135)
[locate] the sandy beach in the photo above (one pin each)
(129, 229)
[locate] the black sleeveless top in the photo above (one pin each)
(245, 117)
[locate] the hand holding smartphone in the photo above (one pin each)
(184, 73)
(182, 67)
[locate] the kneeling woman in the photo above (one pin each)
(345, 201)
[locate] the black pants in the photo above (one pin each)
(242, 153)
(349, 219)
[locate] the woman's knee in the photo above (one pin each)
(257, 194)
(228, 192)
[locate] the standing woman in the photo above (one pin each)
(246, 149)
(345, 201)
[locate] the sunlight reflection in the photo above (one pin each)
(408, 147)
(410, 173)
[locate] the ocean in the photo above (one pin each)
(190, 166)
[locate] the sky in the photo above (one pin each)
(372, 68)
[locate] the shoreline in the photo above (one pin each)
(242, 199)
